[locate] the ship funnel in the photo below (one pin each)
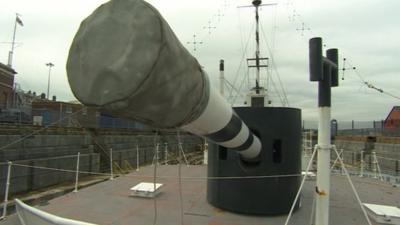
(126, 60)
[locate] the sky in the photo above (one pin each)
(366, 32)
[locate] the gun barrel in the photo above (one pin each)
(126, 59)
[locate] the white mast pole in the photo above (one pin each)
(50, 65)
(11, 53)
(323, 167)
(325, 71)
(221, 77)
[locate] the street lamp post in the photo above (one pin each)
(50, 65)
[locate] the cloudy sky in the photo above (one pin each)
(365, 31)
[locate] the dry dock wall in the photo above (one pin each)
(60, 152)
(388, 155)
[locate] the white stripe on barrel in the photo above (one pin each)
(219, 123)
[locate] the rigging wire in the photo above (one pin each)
(239, 68)
(156, 146)
(370, 85)
(180, 151)
(240, 89)
(274, 67)
(277, 91)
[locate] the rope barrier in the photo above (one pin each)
(165, 177)
(156, 146)
(180, 178)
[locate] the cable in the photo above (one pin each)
(239, 67)
(277, 91)
(199, 178)
(274, 67)
(180, 176)
(391, 159)
(156, 145)
(240, 88)
(352, 186)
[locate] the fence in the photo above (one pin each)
(354, 128)
(370, 162)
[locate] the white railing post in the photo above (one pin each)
(352, 187)
(378, 167)
(111, 165)
(166, 153)
(77, 172)
(362, 164)
(137, 157)
(7, 191)
(183, 153)
(374, 169)
(157, 154)
(341, 154)
(205, 152)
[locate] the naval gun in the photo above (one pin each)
(126, 60)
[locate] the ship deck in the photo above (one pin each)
(110, 203)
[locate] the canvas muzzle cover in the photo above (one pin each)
(126, 60)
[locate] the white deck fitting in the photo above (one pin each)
(383, 214)
(146, 190)
(310, 175)
(31, 216)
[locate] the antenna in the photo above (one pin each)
(194, 42)
(209, 27)
(304, 28)
(293, 16)
(219, 15)
(346, 68)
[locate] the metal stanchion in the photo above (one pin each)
(111, 165)
(183, 153)
(7, 191)
(166, 153)
(205, 152)
(137, 158)
(377, 168)
(374, 169)
(77, 172)
(362, 164)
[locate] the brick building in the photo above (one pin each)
(74, 114)
(393, 119)
(6, 86)
(65, 114)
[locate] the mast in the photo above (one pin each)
(256, 4)
(258, 95)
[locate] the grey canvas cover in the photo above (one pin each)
(126, 59)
